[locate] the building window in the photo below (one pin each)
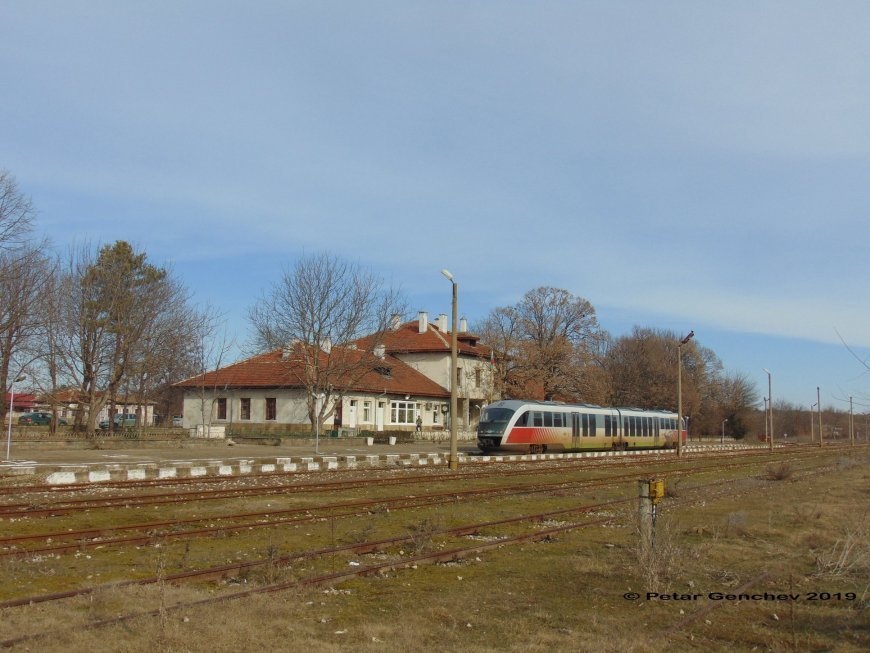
(403, 412)
(222, 408)
(458, 377)
(245, 408)
(478, 378)
(271, 409)
(367, 412)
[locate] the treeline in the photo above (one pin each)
(551, 346)
(94, 326)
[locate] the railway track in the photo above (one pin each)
(42, 505)
(171, 530)
(396, 562)
(79, 539)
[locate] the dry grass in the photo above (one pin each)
(849, 556)
(780, 472)
(566, 594)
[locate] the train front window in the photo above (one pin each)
(494, 420)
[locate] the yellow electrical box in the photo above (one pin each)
(656, 490)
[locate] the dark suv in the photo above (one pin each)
(38, 419)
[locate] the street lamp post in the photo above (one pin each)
(680, 392)
(812, 424)
(769, 405)
(723, 430)
(454, 441)
(766, 423)
(11, 403)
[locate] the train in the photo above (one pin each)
(540, 426)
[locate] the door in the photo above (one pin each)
(575, 430)
(351, 414)
(379, 416)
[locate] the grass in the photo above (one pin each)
(566, 594)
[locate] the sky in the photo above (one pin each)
(681, 165)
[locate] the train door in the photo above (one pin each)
(575, 430)
(617, 442)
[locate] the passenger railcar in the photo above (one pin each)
(539, 426)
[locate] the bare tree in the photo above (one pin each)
(16, 213)
(546, 344)
(49, 307)
(24, 273)
(110, 302)
(164, 351)
(210, 345)
(319, 311)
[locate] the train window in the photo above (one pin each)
(607, 426)
(645, 421)
(593, 426)
(538, 419)
(522, 419)
(584, 420)
(558, 419)
(548, 419)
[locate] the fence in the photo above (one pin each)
(66, 434)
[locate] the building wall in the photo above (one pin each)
(437, 367)
(359, 410)
(200, 408)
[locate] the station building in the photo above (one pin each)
(378, 384)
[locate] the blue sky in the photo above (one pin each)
(682, 165)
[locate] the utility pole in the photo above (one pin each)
(680, 392)
(821, 433)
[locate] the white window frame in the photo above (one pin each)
(406, 409)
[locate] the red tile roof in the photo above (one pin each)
(273, 370)
(75, 396)
(23, 400)
(407, 339)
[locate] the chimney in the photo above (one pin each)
(395, 322)
(287, 352)
(463, 325)
(442, 323)
(423, 322)
(379, 351)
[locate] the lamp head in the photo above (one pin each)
(447, 274)
(687, 338)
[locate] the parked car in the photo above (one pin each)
(121, 421)
(39, 419)
(177, 421)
